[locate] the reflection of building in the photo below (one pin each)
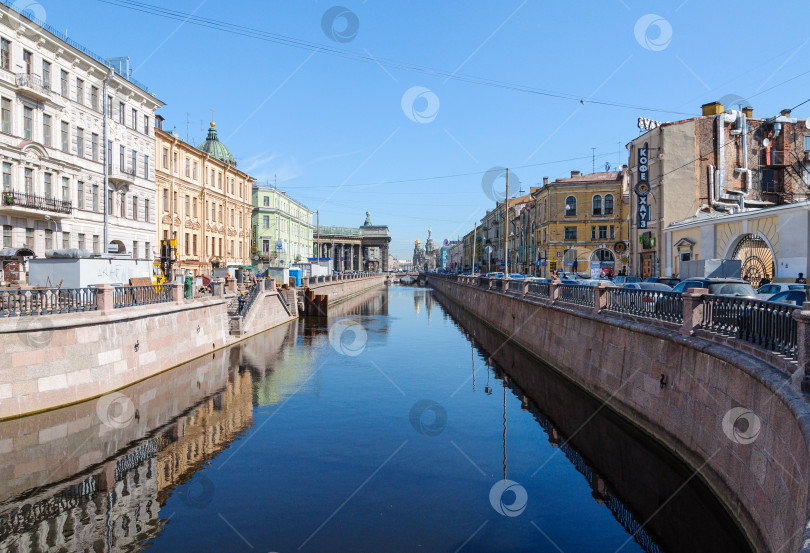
(283, 228)
(768, 242)
(52, 121)
(203, 201)
(582, 223)
(724, 161)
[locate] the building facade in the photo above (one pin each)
(283, 228)
(204, 202)
(724, 161)
(581, 224)
(364, 248)
(54, 98)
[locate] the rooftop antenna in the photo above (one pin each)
(187, 124)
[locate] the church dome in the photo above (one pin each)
(213, 147)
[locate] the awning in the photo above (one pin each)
(17, 252)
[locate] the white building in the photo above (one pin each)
(52, 146)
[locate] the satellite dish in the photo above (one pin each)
(766, 142)
(807, 122)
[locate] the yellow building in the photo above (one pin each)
(204, 202)
(581, 223)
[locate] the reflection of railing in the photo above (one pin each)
(765, 324)
(130, 296)
(32, 201)
(652, 304)
(46, 301)
(576, 294)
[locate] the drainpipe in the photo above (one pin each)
(107, 80)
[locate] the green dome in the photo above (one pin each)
(213, 147)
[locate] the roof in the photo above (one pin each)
(213, 147)
(593, 177)
(17, 252)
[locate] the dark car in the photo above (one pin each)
(791, 297)
(734, 287)
(669, 281)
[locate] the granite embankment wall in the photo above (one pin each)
(345, 288)
(761, 475)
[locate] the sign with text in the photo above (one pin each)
(642, 187)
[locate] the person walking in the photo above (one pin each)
(242, 300)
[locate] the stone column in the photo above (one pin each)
(177, 292)
(525, 287)
(362, 255)
(553, 292)
(384, 260)
(600, 297)
(692, 310)
(802, 317)
(106, 301)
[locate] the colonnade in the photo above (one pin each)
(351, 256)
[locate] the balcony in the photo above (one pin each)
(121, 177)
(33, 86)
(39, 203)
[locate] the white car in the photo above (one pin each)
(765, 292)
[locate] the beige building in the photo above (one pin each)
(204, 202)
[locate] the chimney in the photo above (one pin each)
(545, 181)
(574, 174)
(712, 108)
(785, 113)
(749, 112)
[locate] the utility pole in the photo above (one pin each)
(593, 160)
(506, 232)
(107, 161)
(474, 245)
(318, 234)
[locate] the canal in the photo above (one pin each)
(402, 425)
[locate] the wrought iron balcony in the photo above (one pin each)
(121, 175)
(41, 203)
(33, 85)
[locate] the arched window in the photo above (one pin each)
(597, 205)
(570, 206)
(608, 204)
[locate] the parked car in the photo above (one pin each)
(768, 290)
(790, 297)
(622, 280)
(494, 275)
(653, 286)
(516, 276)
(669, 281)
(719, 287)
(538, 279)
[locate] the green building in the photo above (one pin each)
(282, 229)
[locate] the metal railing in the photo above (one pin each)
(497, 284)
(41, 203)
(515, 286)
(34, 82)
(765, 324)
(247, 304)
(576, 294)
(652, 304)
(131, 296)
(542, 289)
(47, 301)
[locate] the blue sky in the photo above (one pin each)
(325, 126)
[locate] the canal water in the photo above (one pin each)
(402, 424)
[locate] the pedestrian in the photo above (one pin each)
(801, 279)
(765, 280)
(242, 300)
(555, 277)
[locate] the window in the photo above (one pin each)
(187, 203)
(29, 238)
(65, 136)
(64, 82)
(134, 119)
(5, 54)
(28, 61)
(6, 236)
(174, 201)
(29, 181)
(94, 146)
(187, 244)
(80, 142)
(194, 207)
(188, 167)
(213, 212)
(96, 244)
(145, 124)
(109, 106)
(79, 90)
(121, 112)
(612, 232)
(570, 233)
(109, 197)
(174, 162)
(46, 129)
(686, 256)
(48, 239)
(146, 215)
(46, 74)
(266, 201)
(123, 206)
(212, 177)
(194, 244)
(135, 249)
(28, 123)
(134, 208)
(608, 204)
(593, 233)
(95, 197)
(134, 163)
(94, 97)
(165, 158)
(65, 189)
(220, 214)
(6, 176)
(122, 162)
(266, 221)
(603, 232)
(5, 114)
(65, 240)
(145, 166)
(570, 206)
(80, 195)
(219, 181)
(147, 250)
(194, 170)
(165, 199)
(807, 143)
(82, 244)
(597, 205)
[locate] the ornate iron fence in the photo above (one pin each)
(515, 286)
(497, 284)
(47, 301)
(765, 324)
(576, 294)
(41, 203)
(652, 304)
(542, 289)
(131, 296)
